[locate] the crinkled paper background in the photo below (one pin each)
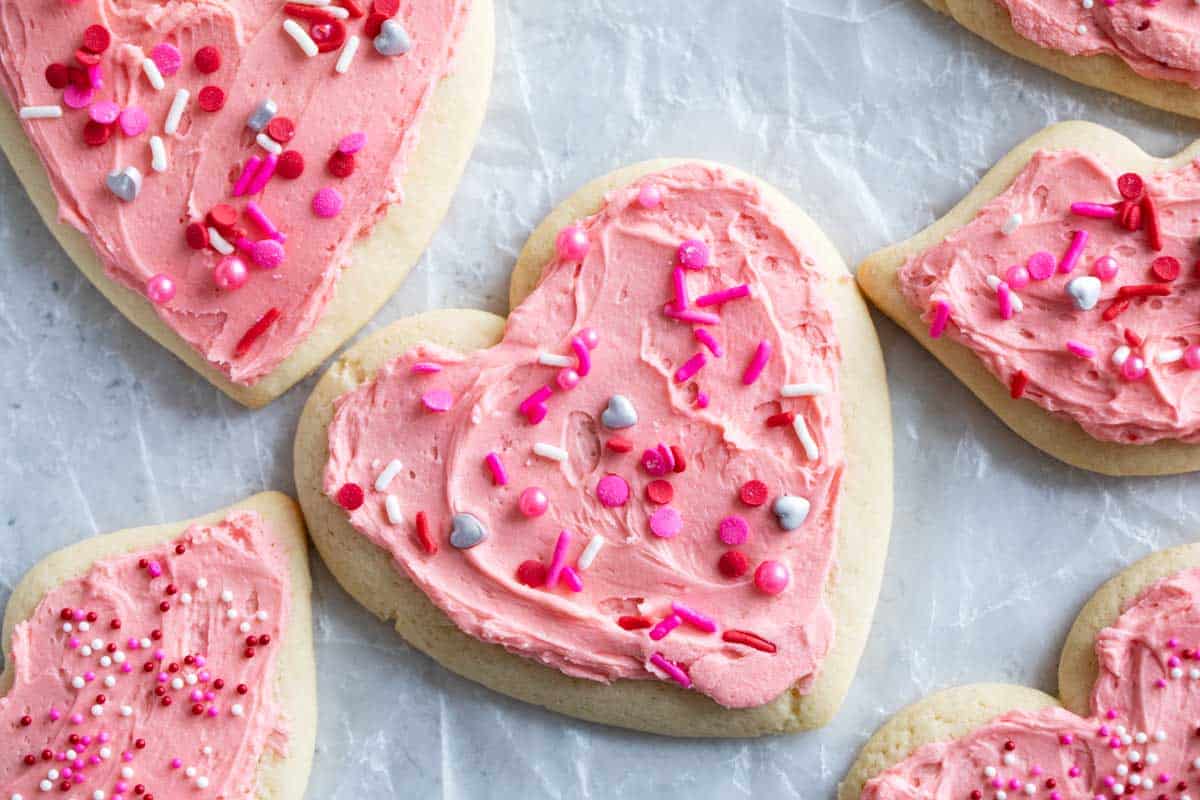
(876, 117)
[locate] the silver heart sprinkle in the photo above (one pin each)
(125, 183)
(466, 531)
(263, 113)
(619, 414)
(1085, 291)
(790, 511)
(392, 40)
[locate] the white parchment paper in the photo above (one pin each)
(876, 117)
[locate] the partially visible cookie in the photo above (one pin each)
(168, 661)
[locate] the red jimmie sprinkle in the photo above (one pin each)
(329, 36)
(1143, 290)
(1130, 216)
(532, 573)
(1166, 268)
(308, 13)
(256, 330)
(748, 639)
(211, 98)
(1016, 386)
(96, 38)
(1132, 339)
(87, 58)
(350, 496)
(631, 623)
(281, 129)
(427, 540)
(56, 75)
(733, 564)
(352, 6)
(781, 419)
(291, 165)
(1153, 232)
(619, 444)
(660, 492)
(1115, 309)
(373, 25)
(388, 8)
(196, 236)
(753, 493)
(341, 164)
(222, 216)
(207, 59)
(1130, 185)
(96, 133)
(680, 461)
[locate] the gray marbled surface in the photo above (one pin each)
(876, 117)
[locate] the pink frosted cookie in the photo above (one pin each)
(682, 361)
(1061, 291)
(170, 661)
(1129, 679)
(208, 132)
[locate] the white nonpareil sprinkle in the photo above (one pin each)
(346, 56)
(554, 360)
(152, 74)
(77, 682)
(394, 512)
(1169, 356)
(1082, 29)
(126, 711)
(301, 37)
(202, 583)
(97, 710)
(550, 451)
(227, 596)
(232, 613)
(993, 282)
(190, 772)
(268, 144)
(237, 710)
(390, 471)
(158, 154)
(224, 248)
(806, 440)
(589, 553)
(41, 112)
(110, 681)
(244, 627)
(803, 389)
(202, 782)
(1011, 224)
(1120, 355)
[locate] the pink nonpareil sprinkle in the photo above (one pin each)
(425, 368)
(167, 58)
(327, 202)
(583, 356)
(665, 523)
(437, 400)
(941, 316)
(762, 354)
(1071, 257)
(559, 560)
(665, 626)
(705, 338)
(690, 367)
(612, 491)
(1040, 266)
(1004, 300)
(248, 172)
(104, 112)
(265, 253)
(353, 142)
(691, 315)
(695, 618)
(133, 121)
(672, 670)
(679, 278)
(264, 174)
(724, 296)
(1093, 210)
(74, 97)
(1080, 349)
(499, 476)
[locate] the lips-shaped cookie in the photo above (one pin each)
(168, 661)
(1062, 291)
(1129, 679)
(224, 212)
(667, 484)
(1147, 51)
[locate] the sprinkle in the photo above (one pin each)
(691, 315)
(1093, 210)
(291, 164)
(425, 368)
(681, 292)
(1004, 297)
(619, 444)
(1115, 309)
(256, 330)
(1153, 232)
(594, 545)
(694, 618)
(1170, 356)
(665, 626)
(346, 56)
(152, 74)
(158, 154)
(264, 174)
(582, 355)
(327, 202)
(437, 400)
(1040, 265)
(573, 581)
(310, 2)
(753, 493)
(781, 419)
(267, 143)
(748, 639)
(1011, 224)
(724, 296)
(733, 530)
(554, 360)
(559, 560)
(672, 671)
(803, 389)
(1081, 350)
(550, 451)
(761, 356)
(631, 623)
(534, 406)
(531, 573)
(1016, 387)
(248, 171)
(41, 112)
(394, 513)
(690, 367)
(301, 37)
(1165, 268)
(1071, 257)
(693, 254)
(666, 523)
(219, 243)
(941, 315)
(806, 440)
(1143, 290)
(705, 338)
(207, 59)
(533, 502)
(427, 541)
(389, 472)
(133, 121)
(499, 476)
(612, 491)
(259, 217)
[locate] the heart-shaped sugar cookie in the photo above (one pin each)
(1129, 679)
(631, 570)
(246, 184)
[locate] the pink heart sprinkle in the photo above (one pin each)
(105, 112)
(327, 202)
(167, 58)
(352, 143)
(666, 523)
(438, 400)
(134, 121)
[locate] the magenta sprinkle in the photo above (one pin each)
(702, 400)
(1071, 257)
(534, 406)
(260, 218)
(167, 58)
(695, 618)
(264, 174)
(327, 202)
(681, 292)
(693, 254)
(666, 523)
(1093, 210)
(155, 569)
(267, 253)
(583, 356)
(665, 626)
(75, 97)
(438, 400)
(613, 491)
(668, 457)
(691, 315)
(1080, 349)
(705, 338)
(133, 121)
(724, 296)
(499, 476)
(248, 171)
(95, 74)
(654, 463)
(425, 368)
(559, 559)
(690, 367)
(1004, 299)
(672, 670)
(572, 579)
(758, 363)
(1040, 266)
(733, 530)
(941, 316)
(105, 112)
(352, 142)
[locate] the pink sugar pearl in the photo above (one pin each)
(771, 577)
(1134, 369)
(533, 502)
(160, 289)
(567, 379)
(1105, 268)
(167, 58)
(572, 243)
(666, 523)
(649, 196)
(590, 337)
(1017, 277)
(133, 121)
(327, 202)
(267, 253)
(613, 491)
(693, 254)
(230, 273)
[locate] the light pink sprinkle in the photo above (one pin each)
(1093, 210)
(681, 292)
(941, 316)
(75, 97)
(264, 174)
(499, 476)
(167, 58)
(133, 121)
(583, 356)
(105, 112)
(695, 618)
(757, 364)
(572, 579)
(1080, 349)
(691, 315)
(1071, 257)
(248, 171)
(672, 670)
(705, 338)
(559, 559)
(353, 142)
(95, 73)
(724, 296)
(649, 196)
(438, 400)
(690, 367)
(666, 523)
(425, 367)
(327, 202)
(1004, 299)
(665, 626)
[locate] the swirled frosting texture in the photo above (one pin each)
(1159, 40)
(380, 96)
(1140, 740)
(70, 662)
(1093, 392)
(619, 290)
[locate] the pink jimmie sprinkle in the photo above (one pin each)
(690, 367)
(133, 121)
(695, 618)
(438, 400)
(673, 671)
(705, 338)
(534, 406)
(691, 315)
(425, 368)
(572, 579)
(264, 174)
(499, 476)
(1071, 257)
(260, 218)
(666, 626)
(327, 202)
(352, 143)
(724, 296)
(941, 316)
(1004, 299)
(583, 356)
(681, 293)
(248, 172)
(757, 364)
(666, 523)
(559, 559)
(1093, 210)
(1080, 349)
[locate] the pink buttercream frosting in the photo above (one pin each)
(99, 658)
(656, 554)
(1096, 392)
(381, 97)
(1159, 40)
(1139, 742)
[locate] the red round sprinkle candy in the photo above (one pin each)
(222, 216)
(1130, 185)
(660, 492)
(86, 58)
(56, 75)
(733, 564)
(753, 493)
(207, 59)
(373, 25)
(341, 164)
(290, 165)
(78, 78)
(95, 133)
(329, 35)
(388, 8)
(211, 98)
(96, 38)
(1166, 268)
(350, 496)
(281, 129)
(619, 444)
(532, 573)
(30, 759)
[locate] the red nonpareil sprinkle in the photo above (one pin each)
(733, 564)
(96, 38)
(56, 75)
(373, 25)
(1016, 386)
(95, 133)
(308, 13)
(256, 330)
(329, 36)
(748, 639)
(211, 98)
(1143, 290)
(281, 129)
(86, 58)
(753, 493)
(1153, 232)
(355, 10)
(1166, 268)
(290, 165)
(619, 444)
(26, 721)
(341, 164)
(632, 623)
(680, 461)
(196, 236)
(388, 8)
(1115, 309)
(78, 78)
(1130, 185)
(660, 492)
(1132, 339)
(207, 59)
(222, 216)
(427, 540)
(1130, 216)
(350, 496)
(532, 573)
(781, 419)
